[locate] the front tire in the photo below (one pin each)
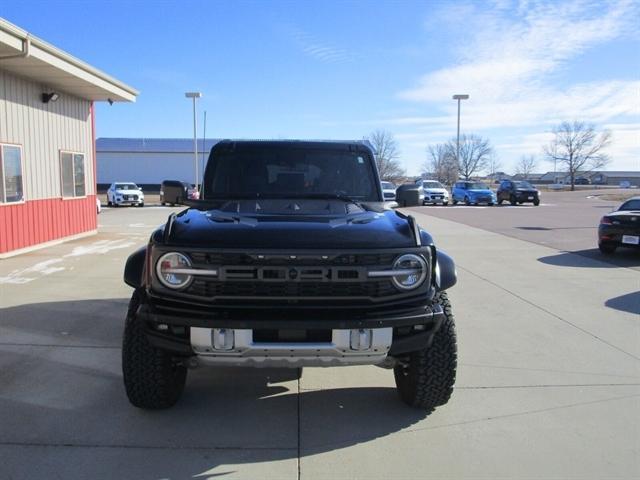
(152, 378)
(466, 201)
(513, 201)
(536, 202)
(426, 380)
(444, 204)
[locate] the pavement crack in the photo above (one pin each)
(548, 312)
(298, 399)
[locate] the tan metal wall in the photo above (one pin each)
(43, 129)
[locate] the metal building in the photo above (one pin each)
(47, 141)
(148, 161)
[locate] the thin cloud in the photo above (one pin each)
(318, 49)
(507, 60)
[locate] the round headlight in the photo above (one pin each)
(413, 271)
(171, 270)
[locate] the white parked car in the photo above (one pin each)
(388, 191)
(433, 192)
(125, 193)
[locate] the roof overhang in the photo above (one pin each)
(27, 56)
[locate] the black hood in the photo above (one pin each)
(291, 224)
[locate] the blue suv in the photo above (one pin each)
(472, 193)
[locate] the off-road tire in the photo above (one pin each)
(152, 378)
(426, 380)
(607, 248)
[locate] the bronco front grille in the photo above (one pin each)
(304, 276)
(209, 288)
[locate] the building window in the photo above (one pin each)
(72, 174)
(11, 174)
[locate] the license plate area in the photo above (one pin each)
(631, 239)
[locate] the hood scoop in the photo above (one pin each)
(357, 219)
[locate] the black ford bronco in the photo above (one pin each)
(289, 259)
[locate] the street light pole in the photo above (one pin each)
(458, 98)
(194, 95)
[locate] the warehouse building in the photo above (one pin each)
(47, 140)
(616, 178)
(149, 161)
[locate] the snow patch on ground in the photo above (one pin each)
(100, 248)
(27, 275)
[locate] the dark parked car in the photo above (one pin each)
(620, 228)
(289, 259)
(174, 192)
(582, 181)
(518, 192)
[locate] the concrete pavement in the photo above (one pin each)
(548, 384)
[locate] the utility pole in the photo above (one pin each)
(194, 95)
(458, 98)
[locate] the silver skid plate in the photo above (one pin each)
(236, 347)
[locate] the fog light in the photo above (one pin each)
(361, 339)
(222, 339)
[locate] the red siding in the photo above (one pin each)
(38, 221)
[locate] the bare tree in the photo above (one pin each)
(441, 162)
(526, 165)
(475, 153)
(386, 153)
(577, 147)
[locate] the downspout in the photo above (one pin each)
(26, 50)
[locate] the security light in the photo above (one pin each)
(50, 97)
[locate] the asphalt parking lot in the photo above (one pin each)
(548, 383)
(565, 221)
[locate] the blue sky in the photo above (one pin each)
(343, 69)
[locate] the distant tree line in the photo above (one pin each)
(576, 147)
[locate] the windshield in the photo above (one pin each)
(432, 185)
(286, 172)
(388, 185)
(126, 186)
(523, 185)
(476, 186)
(631, 205)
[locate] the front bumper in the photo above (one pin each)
(436, 198)
(395, 333)
(526, 197)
